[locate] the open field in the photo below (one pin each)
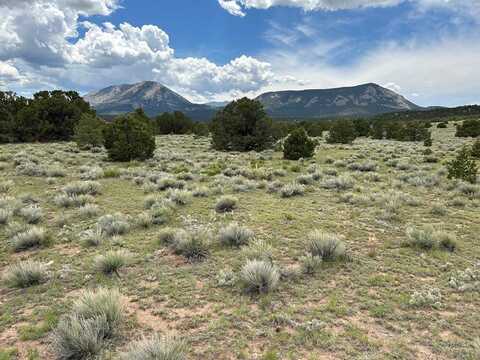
(382, 300)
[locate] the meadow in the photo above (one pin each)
(365, 251)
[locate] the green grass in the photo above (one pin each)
(361, 304)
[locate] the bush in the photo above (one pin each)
(259, 276)
(89, 132)
(226, 204)
(88, 210)
(156, 348)
(78, 338)
(5, 215)
(258, 250)
(31, 214)
(428, 238)
(242, 126)
(310, 263)
(475, 151)
(166, 236)
(92, 237)
(160, 213)
(130, 137)
(421, 238)
(469, 128)
(338, 183)
(180, 197)
(326, 246)
(25, 274)
(446, 241)
(341, 132)
(101, 303)
(112, 261)
(298, 145)
(235, 235)
(463, 167)
(292, 189)
(111, 225)
(193, 246)
(95, 317)
(32, 237)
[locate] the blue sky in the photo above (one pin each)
(427, 50)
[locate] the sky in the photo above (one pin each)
(217, 50)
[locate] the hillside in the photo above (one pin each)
(362, 100)
(153, 97)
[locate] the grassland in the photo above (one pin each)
(383, 300)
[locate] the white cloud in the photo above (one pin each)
(238, 7)
(111, 46)
(232, 6)
(41, 38)
(443, 72)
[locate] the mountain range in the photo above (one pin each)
(362, 100)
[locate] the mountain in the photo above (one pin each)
(362, 100)
(152, 97)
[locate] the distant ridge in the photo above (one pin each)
(154, 98)
(362, 100)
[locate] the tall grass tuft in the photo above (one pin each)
(326, 246)
(259, 276)
(25, 274)
(156, 348)
(235, 235)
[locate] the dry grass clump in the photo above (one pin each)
(31, 214)
(226, 204)
(339, 183)
(427, 238)
(192, 245)
(258, 276)
(326, 246)
(25, 274)
(156, 348)
(235, 235)
(112, 261)
(292, 189)
(112, 225)
(27, 238)
(95, 317)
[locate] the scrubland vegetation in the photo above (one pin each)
(360, 248)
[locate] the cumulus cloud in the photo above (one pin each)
(42, 38)
(232, 6)
(110, 46)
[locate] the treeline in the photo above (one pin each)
(48, 116)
